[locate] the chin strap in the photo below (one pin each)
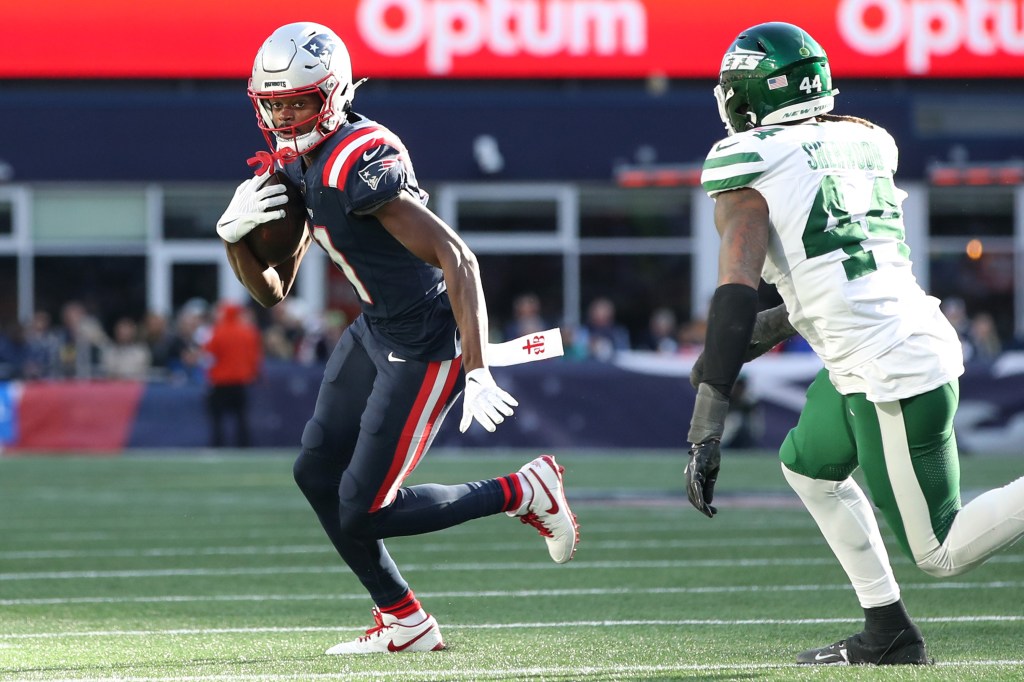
(267, 160)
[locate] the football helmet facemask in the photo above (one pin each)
(300, 59)
(773, 73)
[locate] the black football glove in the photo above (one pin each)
(701, 475)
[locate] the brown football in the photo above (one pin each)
(276, 241)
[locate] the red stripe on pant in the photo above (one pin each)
(428, 433)
(404, 459)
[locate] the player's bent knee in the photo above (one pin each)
(941, 565)
(312, 436)
(315, 478)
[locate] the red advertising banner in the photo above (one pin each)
(507, 38)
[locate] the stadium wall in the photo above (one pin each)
(641, 401)
(565, 131)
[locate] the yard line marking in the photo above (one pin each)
(517, 566)
(484, 594)
(500, 626)
(326, 548)
(509, 673)
(168, 551)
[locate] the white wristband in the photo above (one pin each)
(529, 348)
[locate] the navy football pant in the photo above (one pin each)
(375, 417)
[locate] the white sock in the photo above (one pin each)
(845, 518)
(527, 488)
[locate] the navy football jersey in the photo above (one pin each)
(356, 170)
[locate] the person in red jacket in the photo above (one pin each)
(236, 354)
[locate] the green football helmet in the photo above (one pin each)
(773, 73)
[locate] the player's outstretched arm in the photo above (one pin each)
(741, 217)
(430, 239)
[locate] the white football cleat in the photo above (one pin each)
(389, 636)
(548, 511)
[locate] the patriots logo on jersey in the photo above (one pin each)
(322, 47)
(376, 170)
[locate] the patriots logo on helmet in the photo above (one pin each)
(376, 170)
(321, 46)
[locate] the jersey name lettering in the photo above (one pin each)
(841, 155)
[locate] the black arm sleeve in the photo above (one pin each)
(730, 327)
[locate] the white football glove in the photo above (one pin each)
(248, 208)
(484, 401)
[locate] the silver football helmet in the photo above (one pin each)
(299, 59)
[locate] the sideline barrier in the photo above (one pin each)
(92, 416)
(641, 401)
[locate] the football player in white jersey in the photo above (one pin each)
(806, 200)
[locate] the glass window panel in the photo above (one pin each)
(645, 212)
(93, 214)
(985, 285)
(8, 288)
(638, 285)
(506, 278)
(109, 288)
(963, 211)
(193, 282)
(6, 218)
(192, 212)
(493, 215)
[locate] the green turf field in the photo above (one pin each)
(172, 566)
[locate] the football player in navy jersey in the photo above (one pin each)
(399, 367)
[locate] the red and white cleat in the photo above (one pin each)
(548, 510)
(388, 636)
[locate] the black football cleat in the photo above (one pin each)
(906, 648)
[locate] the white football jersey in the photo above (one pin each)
(837, 253)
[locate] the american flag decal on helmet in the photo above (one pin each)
(777, 82)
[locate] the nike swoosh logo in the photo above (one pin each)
(371, 153)
(392, 647)
(720, 147)
(821, 657)
(394, 358)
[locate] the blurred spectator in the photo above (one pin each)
(237, 356)
(126, 356)
(604, 336)
(661, 332)
(13, 351)
(157, 336)
(691, 336)
(322, 335)
(43, 359)
(984, 339)
(283, 335)
(81, 338)
(574, 343)
(955, 311)
(526, 317)
(184, 357)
